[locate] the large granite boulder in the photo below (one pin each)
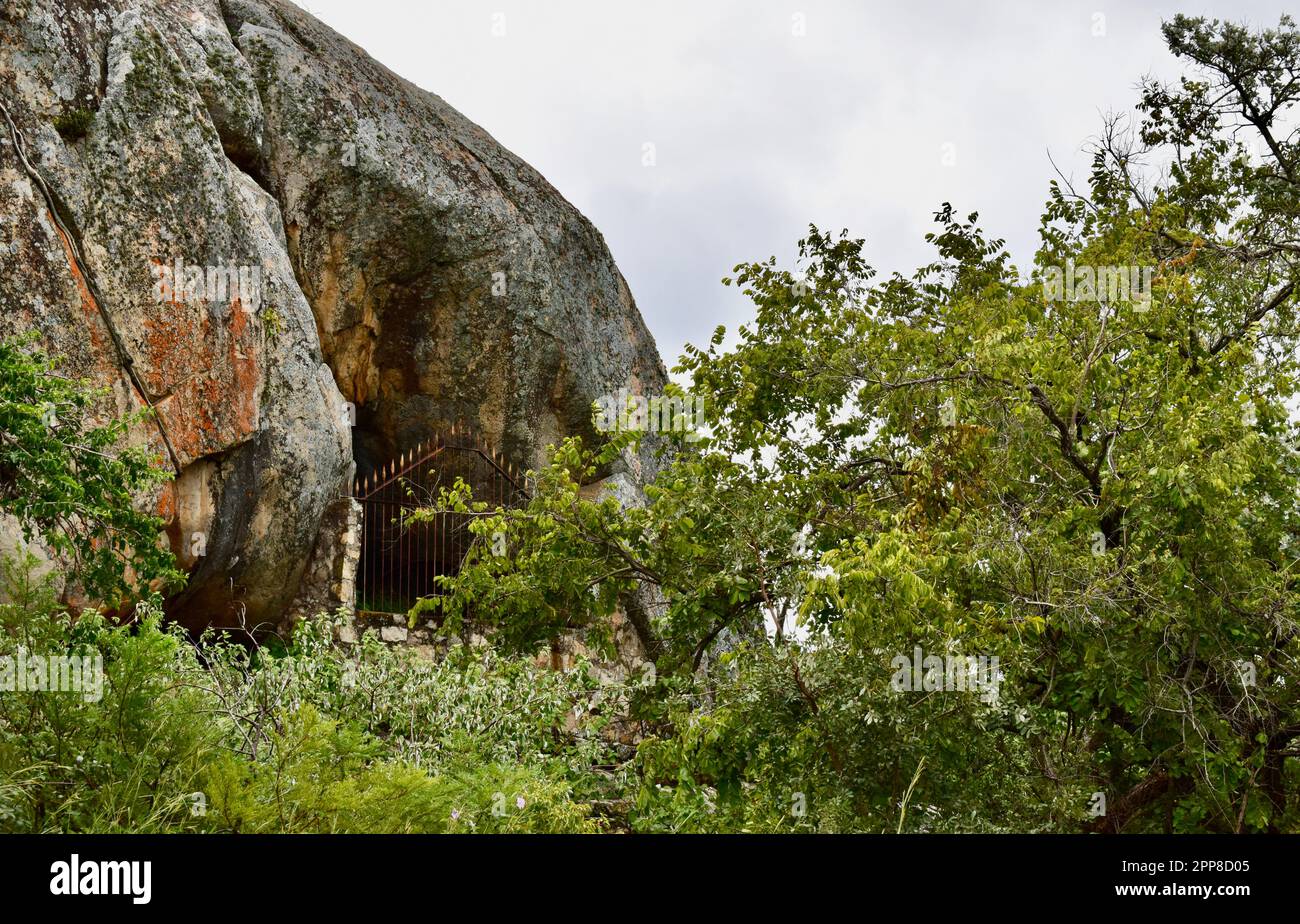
(286, 250)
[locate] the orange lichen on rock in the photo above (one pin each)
(166, 507)
(212, 382)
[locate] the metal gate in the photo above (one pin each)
(400, 561)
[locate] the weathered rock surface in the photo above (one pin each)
(393, 256)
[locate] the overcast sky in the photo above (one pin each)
(765, 116)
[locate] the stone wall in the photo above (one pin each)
(424, 639)
(329, 580)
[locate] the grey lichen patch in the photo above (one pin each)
(155, 73)
(225, 81)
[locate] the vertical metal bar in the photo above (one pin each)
(401, 513)
(404, 544)
(406, 553)
(429, 586)
(395, 562)
(424, 542)
(417, 562)
(401, 551)
(446, 518)
(377, 557)
(442, 518)
(405, 558)
(425, 584)
(410, 546)
(365, 550)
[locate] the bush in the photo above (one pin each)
(317, 776)
(227, 738)
(128, 761)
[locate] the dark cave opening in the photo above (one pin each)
(401, 559)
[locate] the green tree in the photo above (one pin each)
(1088, 471)
(72, 483)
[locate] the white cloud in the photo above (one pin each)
(759, 131)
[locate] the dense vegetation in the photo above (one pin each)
(1095, 485)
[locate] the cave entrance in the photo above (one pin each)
(400, 561)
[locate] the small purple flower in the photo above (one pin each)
(519, 802)
(455, 814)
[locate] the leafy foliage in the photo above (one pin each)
(225, 738)
(1093, 488)
(70, 482)
(1098, 488)
(73, 762)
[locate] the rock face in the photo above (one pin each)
(306, 263)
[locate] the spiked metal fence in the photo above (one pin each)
(400, 560)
